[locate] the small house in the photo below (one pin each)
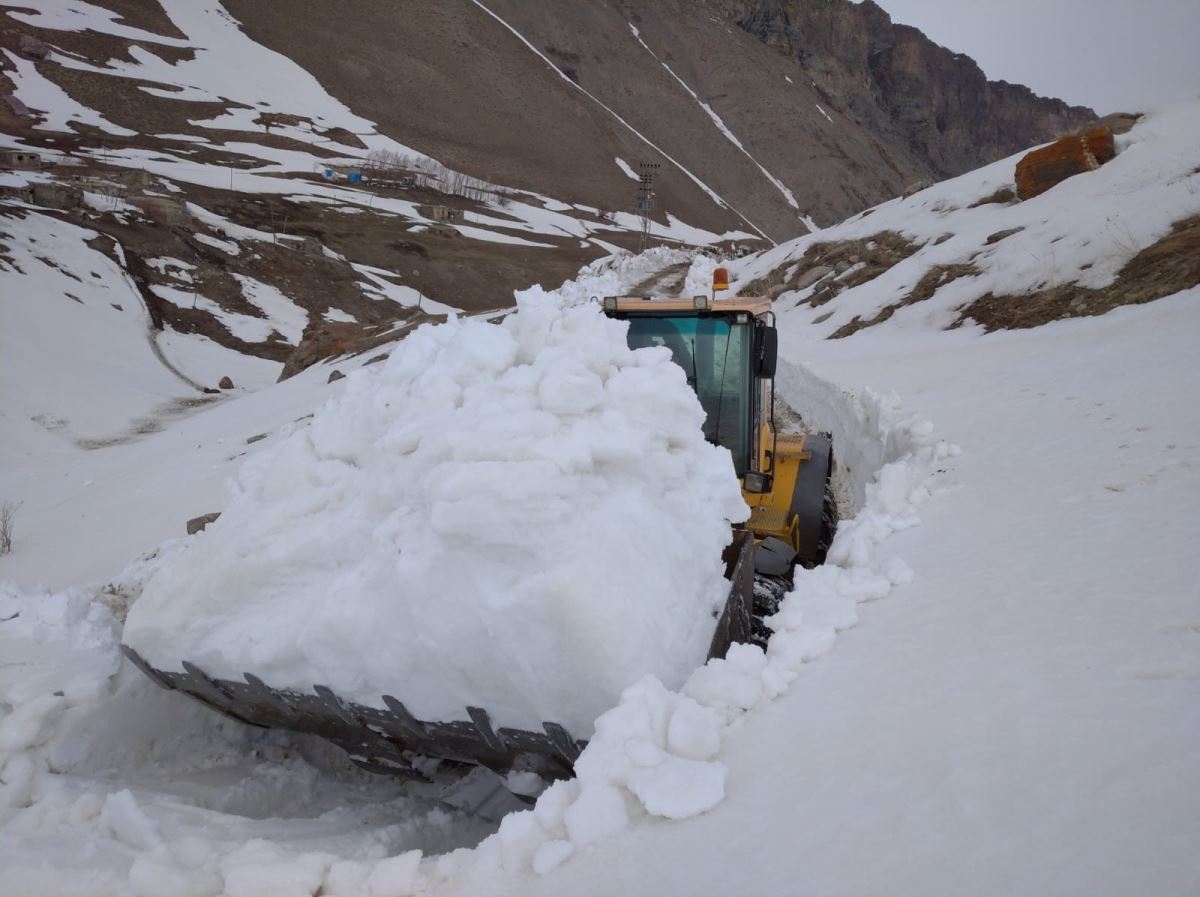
(166, 210)
(57, 196)
(20, 159)
(441, 213)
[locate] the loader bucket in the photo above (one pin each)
(386, 739)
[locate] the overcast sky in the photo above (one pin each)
(1112, 55)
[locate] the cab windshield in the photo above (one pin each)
(714, 353)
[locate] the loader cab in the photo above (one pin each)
(727, 351)
(714, 353)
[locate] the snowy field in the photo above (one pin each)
(1018, 716)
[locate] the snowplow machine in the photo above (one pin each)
(728, 350)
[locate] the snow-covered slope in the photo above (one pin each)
(76, 342)
(1018, 716)
(922, 263)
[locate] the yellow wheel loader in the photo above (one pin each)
(728, 348)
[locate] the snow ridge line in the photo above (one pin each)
(646, 140)
(720, 123)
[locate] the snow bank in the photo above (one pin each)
(523, 517)
(657, 753)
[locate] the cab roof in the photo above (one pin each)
(755, 305)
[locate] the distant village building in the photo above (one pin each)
(20, 159)
(164, 209)
(408, 182)
(441, 213)
(57, 196)
(303, 244)
(131, 177)
(21, 192)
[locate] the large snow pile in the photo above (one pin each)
(524, 517)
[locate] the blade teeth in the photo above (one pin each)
(563, 742)
(406, 720)
(483, 724)
(137, 660)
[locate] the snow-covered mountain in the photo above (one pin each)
(1012, 393)
(217, 158)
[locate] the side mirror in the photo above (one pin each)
(766, 354)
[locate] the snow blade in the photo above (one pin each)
(387, 740)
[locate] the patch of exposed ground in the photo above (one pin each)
(932, 281)
(470, 274)
(324, 340)
(668, 281)
(143, 15)
(1162, 269)
(835, 266)
(1004, 195)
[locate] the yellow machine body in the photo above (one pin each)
(781, 456)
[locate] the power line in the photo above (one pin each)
(645, 198)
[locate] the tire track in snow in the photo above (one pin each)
(151, 331)
(716, 197)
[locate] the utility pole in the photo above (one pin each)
(645, 198)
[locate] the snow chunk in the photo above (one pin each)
(599, 811)
(551, 854)
(127, 822)
(261, 867)
(445, 532)
(396, 876)
(679, 788)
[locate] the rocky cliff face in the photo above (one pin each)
(894, 81)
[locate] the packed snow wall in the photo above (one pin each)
(524, 517)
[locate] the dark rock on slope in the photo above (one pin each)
(904, 88)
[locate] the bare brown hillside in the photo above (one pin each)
(842, 107)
